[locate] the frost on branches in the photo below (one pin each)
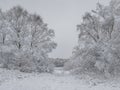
(25, 41)
(98, 49)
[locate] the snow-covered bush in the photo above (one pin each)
(58, 62)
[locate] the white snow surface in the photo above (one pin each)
(59, 80)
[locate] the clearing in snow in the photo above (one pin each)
(59, 80)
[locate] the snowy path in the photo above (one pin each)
(56, 81)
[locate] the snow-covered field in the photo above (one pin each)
(59, 80)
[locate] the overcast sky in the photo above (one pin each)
(61, 15)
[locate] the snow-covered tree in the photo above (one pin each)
(28, 38)
(99, 43)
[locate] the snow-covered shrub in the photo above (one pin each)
(58, 62)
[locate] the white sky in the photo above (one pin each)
(61, 15)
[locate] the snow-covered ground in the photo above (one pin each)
(59, 80)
